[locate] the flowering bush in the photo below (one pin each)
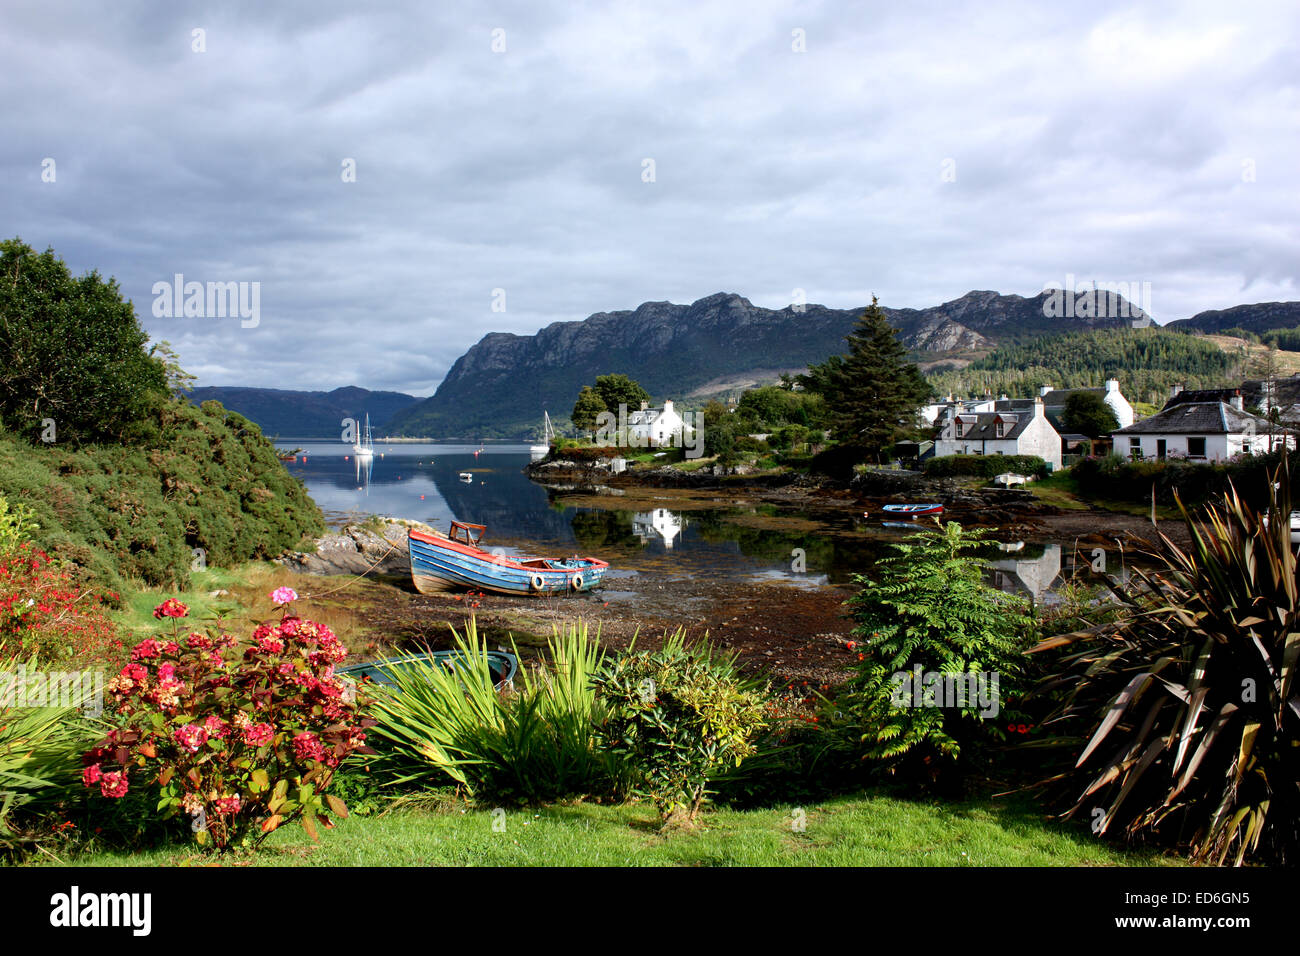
(242, 738)
(44, 613)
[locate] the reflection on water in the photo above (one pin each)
(1027, 574)
(423, 482)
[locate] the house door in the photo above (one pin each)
(1160, 448)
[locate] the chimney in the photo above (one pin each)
(1237, 403)
(1038, 406)
(668, 406)
(1044, 389)
(644, 406)
(1112, 385)
(1176, 391)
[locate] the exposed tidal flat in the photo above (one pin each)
(761, 567)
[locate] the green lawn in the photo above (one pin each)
(850, 831)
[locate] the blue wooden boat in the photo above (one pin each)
(503, 666)
(915, 511)
(442, 563)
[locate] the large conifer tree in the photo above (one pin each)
(872, 390)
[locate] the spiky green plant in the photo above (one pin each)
(1184, 714)
(40, 759)
(531, 744)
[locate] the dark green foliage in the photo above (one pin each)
(872, 392)
(1181, 719)
(1119, 479)
(615, 390)
(772, 406)
(1288, 340)
(205, 479)
(1147, 363)
(984, 466)
(587, 409)
(928, 606)
(71, 351)
(1086, 413)
(837, 461)
(676, 717)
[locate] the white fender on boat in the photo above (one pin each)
(576, 581)
(537, 581)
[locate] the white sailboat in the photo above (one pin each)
(549, 435)
(365, 448)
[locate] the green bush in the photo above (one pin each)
(535, 744)
(678, 716)
(927, 606)
(208, 480)
(1194, 483)
(984, 466)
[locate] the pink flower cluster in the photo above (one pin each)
(170, 608)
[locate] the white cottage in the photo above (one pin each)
(655, 426)
(1200, 431)
(1013, 427)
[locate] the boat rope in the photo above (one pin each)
(354, 579)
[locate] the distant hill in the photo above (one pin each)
(1147, 362)
(501, 386)
(293, 414)
(1258, 317)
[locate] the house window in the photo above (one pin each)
(1001, 429)
(1135, 443)
(959, 429)
(1196, 448)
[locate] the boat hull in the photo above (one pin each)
(914, 511)
(440, 564)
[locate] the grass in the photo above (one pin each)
(246, 601)
(1062, 490)
(866, 830)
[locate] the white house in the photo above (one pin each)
(655, 426)
(660, 523)
(1200, 431)
(1013, 427)
(1054, 400)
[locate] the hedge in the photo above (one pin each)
(985, 466)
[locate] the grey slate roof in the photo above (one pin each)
(1057, 397)
(982, 426)
(1197, 418)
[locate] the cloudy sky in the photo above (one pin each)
(564, 158)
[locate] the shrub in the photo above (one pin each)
(44, 613)
(1182, 713)
(39, 751)
(16, 526)
(210, 482)
(984, 466)
(533, 744)
(928, 610)
(241, 743)
(677, 716)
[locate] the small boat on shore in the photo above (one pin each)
(915, 511)
(465, 476)
(455, 560)
(503, 666)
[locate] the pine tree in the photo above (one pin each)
(872, 391)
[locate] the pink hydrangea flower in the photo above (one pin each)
(91, 774)
(258, 735)
(307, 746)
(191, 737)
(284, 595)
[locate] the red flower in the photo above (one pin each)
(170, 608)
(113, 784)
(91, 774)
(258, 735)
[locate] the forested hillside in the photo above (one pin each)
(1147, 363)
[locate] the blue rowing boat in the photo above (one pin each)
(443, 563)
(915, 511)
(502, 666)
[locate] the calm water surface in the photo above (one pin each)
(423, 482)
